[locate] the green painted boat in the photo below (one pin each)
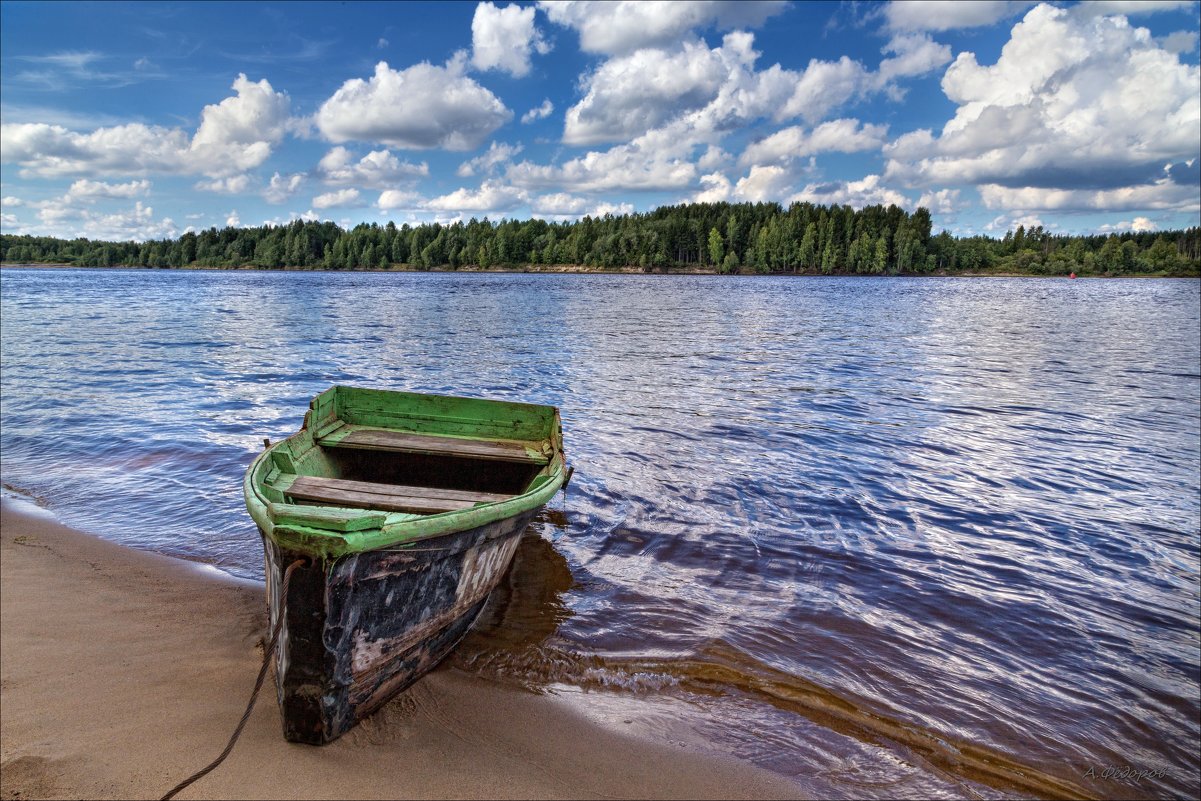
(403, 512)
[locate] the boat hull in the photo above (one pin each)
(361, 628)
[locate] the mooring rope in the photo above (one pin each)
(258, 685)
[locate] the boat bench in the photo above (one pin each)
(385, 497)
(383, 439)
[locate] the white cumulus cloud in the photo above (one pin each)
(138, 224)
(943, 15)
(869, 191)
(564, 206)
(707, 92)
(538, 112)
(399, 200)
(942, 201)
(60, 218)
(1163, 194)
(912, 54)
(237, 133)
(629, 95)
(52, 151)
(639, 165)
(491, 196)
(629, 25)
(561, 204)
(1075, 102)
(823, 86)
(281, 187)
(503, 38)
(234, 135)
(715, 188)
(338, 199)
(497, 153)
(1137, 224)
(1010, 222)
(835, 136)
(826, 85)
(713, 157)
(693, 98)
(763, 183)
(90, 191)
(379, 169)
(233, 185)
(421, 107)
(616, 209)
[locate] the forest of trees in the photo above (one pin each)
(721, 237)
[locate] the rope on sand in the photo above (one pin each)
(258, 685)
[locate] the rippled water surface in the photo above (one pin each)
(892, 536)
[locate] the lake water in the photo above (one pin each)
(897, 537)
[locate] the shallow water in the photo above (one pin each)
(898, 537)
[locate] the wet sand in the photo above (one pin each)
(123, 672)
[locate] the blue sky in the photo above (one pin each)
(141, 120)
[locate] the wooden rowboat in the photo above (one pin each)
(404, 511)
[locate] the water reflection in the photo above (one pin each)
(510, 638)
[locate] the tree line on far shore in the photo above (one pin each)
(719, 237)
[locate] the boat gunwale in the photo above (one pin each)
(397, 529)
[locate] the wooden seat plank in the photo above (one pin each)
(351, 436)
(379, 488)
(386, 497)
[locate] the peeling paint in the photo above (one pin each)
(364, 627)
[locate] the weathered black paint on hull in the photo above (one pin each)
(362, 628)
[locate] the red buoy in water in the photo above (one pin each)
(1073, 275)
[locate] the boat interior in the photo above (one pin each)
(418, 454)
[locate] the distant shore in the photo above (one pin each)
(124, 672)
(579, 269)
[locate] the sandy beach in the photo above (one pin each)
(123, 672)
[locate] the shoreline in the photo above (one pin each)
(581, 270)
(124, 671)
